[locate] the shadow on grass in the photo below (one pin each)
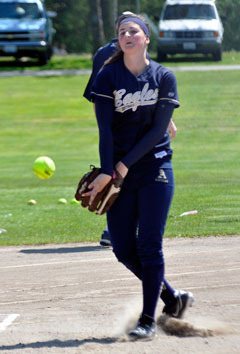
(57, 343)
(64, 249)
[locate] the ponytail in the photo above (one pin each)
(116, 56)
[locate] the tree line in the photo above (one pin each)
(84, 25)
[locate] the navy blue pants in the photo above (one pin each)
(142, 209)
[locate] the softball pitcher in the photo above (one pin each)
(99, 58)
(134, 101)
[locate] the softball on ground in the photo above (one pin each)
(44, 167)
(62, 201)
(32, 202)
(74, 201)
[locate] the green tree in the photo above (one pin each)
(73, 30)
(108, 11)
(84, 25)
(229, 12)
(97, 28)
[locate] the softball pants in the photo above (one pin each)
(136, 223)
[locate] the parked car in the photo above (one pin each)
(26, 30)
(190, 26)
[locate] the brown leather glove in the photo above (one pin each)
(104, 199)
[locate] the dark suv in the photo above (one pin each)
(25, 30)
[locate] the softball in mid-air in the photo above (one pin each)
(44, 167)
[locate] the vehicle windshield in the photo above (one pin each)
(189, 12)
(19, 10)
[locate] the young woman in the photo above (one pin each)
(134, 99)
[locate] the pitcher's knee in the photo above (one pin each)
(121, 256)
(126, 258)
(151, 257)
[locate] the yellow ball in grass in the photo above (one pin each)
(32, 202)
(74, 201)
(44, 167)
(62, 201)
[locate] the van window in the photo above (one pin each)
(189, 12)
(18, 10)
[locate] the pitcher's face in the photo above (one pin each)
(131, 37)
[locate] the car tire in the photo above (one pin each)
(43, 58)
(161, 56)
(217, 55)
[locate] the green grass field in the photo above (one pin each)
(48, 116)
(74, 61)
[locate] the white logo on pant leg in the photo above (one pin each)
(161, 176)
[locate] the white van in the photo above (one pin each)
(190, 26)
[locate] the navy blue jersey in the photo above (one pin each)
(101, 55)
(128, 114)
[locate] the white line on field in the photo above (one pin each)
(59, 262)
(110, 280)
(169, 252)
(167, 275)
(8, 320)
(107, 259)
(38, 287)
(212, 286)
(110, 259)
(168, 246)
(204, 271)
(86, 295)
(109, 292)
(102, 259)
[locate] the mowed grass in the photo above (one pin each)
(48, 116)
(84, 61)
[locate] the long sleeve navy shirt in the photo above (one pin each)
(133, 113)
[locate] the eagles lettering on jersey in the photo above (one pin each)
(128, 106)
(142, 90)
(125, 101)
